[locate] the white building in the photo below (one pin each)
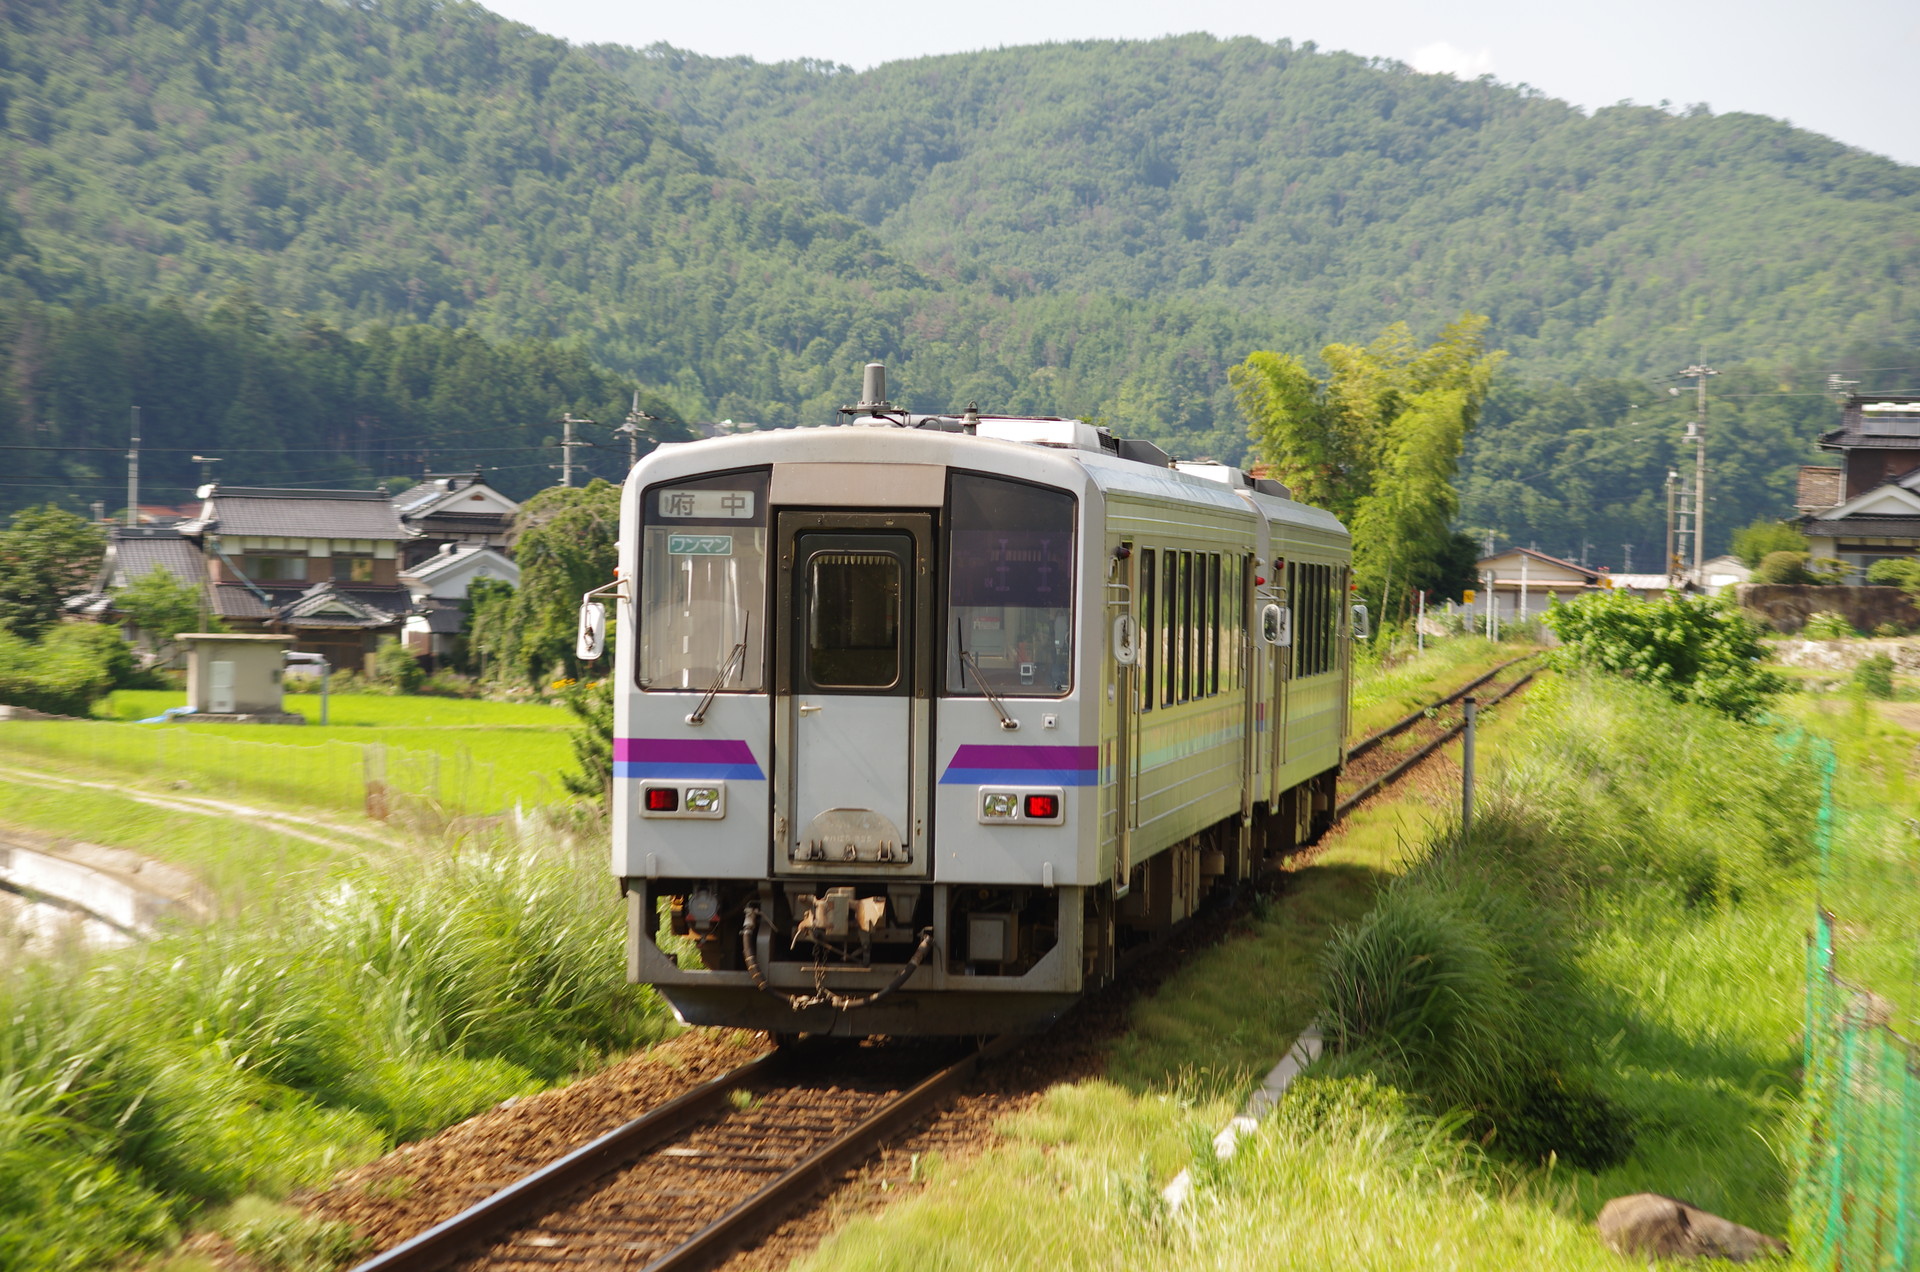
(440, 583)
(1522, 582)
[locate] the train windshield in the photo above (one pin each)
(1010, 588)
(703, 583)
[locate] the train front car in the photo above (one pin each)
(922, 720)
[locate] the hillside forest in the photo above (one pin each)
(342, 244)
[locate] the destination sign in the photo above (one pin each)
(710, 505)
(700, 544)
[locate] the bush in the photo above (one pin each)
(65, 674)
(395, 667)
(1874, 675)
(1754, 543)
(1827, 625)
(1691, 648)
(1799, 569)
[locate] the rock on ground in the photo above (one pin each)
(1651, 1225)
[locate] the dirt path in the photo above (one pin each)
(332, 835)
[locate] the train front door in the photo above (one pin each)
(852, 711)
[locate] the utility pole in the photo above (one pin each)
(206, 463)
(1627, 548)
(1673, 562)
(1693, 509)
(568, 445)
(632, 428)
(133, 472)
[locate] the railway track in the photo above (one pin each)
(711, 1171)
(689, 1182)
(1373, 765)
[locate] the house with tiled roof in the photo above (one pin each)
(320, 565)
(133, 552)
(439, 585)
(1522, 582)
(1872, 508)
(453, 510)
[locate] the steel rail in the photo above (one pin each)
(1394, 774)
(760, 1213)
(447, 1240)
(1400, 726)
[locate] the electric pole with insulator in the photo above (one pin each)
(634, 429)
(133, 471)
(568, 444)
(1693, 512)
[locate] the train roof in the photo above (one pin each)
(1018, 447)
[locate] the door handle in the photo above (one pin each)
(808, 708)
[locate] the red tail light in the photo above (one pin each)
(1043, 807)
(662, 799)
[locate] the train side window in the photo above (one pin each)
(1170, 630)
(1149, 628)
(1189, 630)
(1213, 622)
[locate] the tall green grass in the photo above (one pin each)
(1607, 971)
(138, 1087)
(1573, 969)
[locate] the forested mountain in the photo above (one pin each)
(1344, 192)
(314, 226)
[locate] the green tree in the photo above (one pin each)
(1753, 542)
(592, 737)
(566, 543)
(46, 555)
(1695, 649)
(162, 606)
(1377, 442)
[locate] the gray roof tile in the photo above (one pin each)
(301, 514)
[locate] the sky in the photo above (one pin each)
(1846, 68)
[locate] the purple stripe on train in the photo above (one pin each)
(711, 759)
(979, 764)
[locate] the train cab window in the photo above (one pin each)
(853, 620)
(1010, 555)
(703, 583)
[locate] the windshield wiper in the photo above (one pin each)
(737, 655)
(967, 661)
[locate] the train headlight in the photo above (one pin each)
(1013, 806)
(999, 806)
(697, 800)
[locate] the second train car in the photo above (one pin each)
(920, 721)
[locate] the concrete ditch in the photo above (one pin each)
(56, 891)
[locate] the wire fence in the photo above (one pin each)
(363, 777)
(1857, 1200)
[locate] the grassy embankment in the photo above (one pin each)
(143, 1088)
(1612, 963)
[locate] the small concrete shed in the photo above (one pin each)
(236, 678)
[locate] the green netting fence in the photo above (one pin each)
(362, 777)
(1857, 1201)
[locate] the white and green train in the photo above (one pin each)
(922, 720)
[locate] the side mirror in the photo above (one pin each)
(1126, 640)
(593, 631)
(1276, 626)
(1362, 624)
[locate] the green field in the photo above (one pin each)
(465, 756)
